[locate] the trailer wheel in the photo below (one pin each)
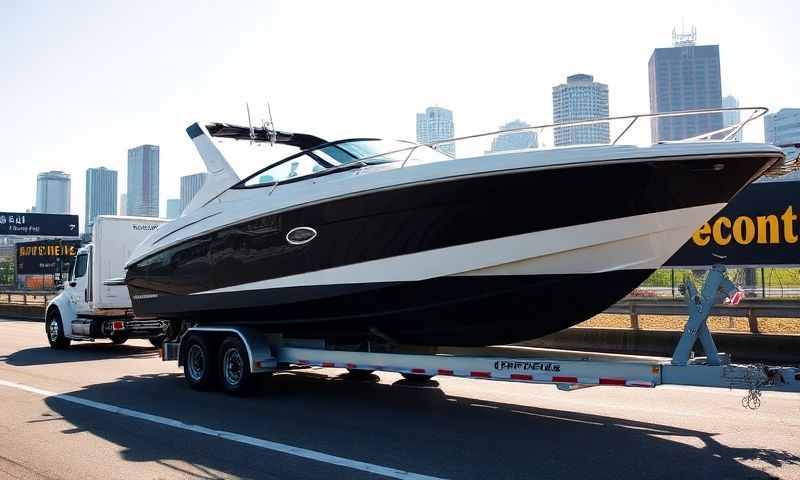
(118, 338)
(359, 373)
(55, 331)
(156, 341)
(234, 367)
(198, 365)
(416, 377)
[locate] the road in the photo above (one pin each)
(98, 411)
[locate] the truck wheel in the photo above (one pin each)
(55, 331)
(198, 365)
(234, 367)
(119, 338)
(156, 341)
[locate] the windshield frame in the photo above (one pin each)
(329, 167)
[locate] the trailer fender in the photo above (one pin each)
(64, 307)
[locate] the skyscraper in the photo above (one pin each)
(436, 124)
(581, 98)
(101, 194)
(782, 127)
(53, 192)
(190, 185)
(143, 168)
(516, 140)
(123, 204)
(173, 208)
(684, 77)
(731, 118)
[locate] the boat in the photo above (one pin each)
(365, 239)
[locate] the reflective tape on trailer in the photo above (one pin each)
(514, 377)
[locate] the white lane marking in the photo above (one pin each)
(233, 437)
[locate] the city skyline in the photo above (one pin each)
(53, 192)
(685, 76)
(101, 195)
(92, 119)
(144, 168)
(581, 98)
(434, 124)
(190, 185)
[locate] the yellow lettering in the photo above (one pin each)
(770, 221)
(788, 218)
(720, 239)
(746, 235)
(701, 235)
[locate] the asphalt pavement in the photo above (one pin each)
(103, 411)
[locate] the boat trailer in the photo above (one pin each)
(567, 370)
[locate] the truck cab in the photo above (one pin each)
(94, 302)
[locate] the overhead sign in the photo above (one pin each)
(40, 224)
(758, 228)
(45, 256)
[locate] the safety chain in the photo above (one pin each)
(755, 377)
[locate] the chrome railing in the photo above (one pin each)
(722, 135)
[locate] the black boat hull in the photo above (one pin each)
(220, 277)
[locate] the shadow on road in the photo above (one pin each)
(420, 430)
(77, 353)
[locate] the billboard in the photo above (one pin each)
(758, 228)
(38, 224)
(46, 257)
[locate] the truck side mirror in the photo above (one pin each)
(59, 285)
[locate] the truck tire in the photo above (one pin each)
(156, 341)
(234, 367)
(118, 338)
(199, 366)
(55, 331)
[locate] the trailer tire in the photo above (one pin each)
(199, 366)
(55, 331)
(156, 341)
(416, 377)
(118, 338)
(234, 367)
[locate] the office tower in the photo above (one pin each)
(190, 185)
(53, 192)
(123, 204)
(101, 194)
(173, 208)
(782, 127)
(143, 181)
(731, 118)
(581, 98)
(684, 77)
(516, 140)
(434, 125)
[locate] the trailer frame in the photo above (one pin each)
(568, 370)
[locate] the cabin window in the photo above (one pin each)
(296, 167)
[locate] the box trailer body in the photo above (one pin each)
(114, 239)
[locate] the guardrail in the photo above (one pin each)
(26, 297)
(752, 309)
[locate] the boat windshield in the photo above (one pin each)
(337, 156)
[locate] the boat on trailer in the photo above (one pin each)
(364, 239)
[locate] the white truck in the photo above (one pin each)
(91, 307)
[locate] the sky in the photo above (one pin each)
(82, 82)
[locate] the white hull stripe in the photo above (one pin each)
(637, 242)
(225, 435)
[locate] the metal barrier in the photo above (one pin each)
(752, 309)
(26, 297)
